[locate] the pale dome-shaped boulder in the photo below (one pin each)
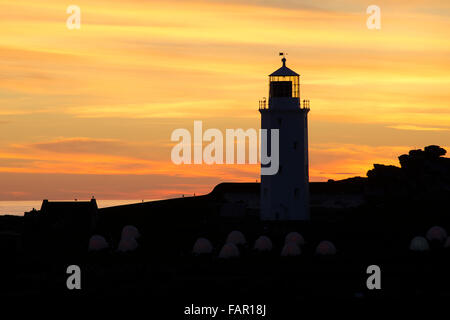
(325, 248)
(291, 249)
(419, 244)
(294, 237)
(97, 243)
(202, 246)
(263, 244)
(229, 250)
(437, 233)
(236, 237)
(127, 245)
(130, 232)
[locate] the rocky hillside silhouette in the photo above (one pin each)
(420, 186)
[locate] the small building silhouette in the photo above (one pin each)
(63, 227)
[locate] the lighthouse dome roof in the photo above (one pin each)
(284, 71)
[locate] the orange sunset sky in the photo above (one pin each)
(90, 111)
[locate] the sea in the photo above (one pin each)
(17, 208)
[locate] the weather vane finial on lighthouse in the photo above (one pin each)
(284, 54)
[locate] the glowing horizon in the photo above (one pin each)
(90, 111)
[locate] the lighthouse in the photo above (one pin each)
(285, 195)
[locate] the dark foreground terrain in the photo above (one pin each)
(370, 221)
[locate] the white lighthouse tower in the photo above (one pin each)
(285, 195)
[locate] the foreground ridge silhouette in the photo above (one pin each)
(396, 217)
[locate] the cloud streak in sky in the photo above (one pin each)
(104, 99)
